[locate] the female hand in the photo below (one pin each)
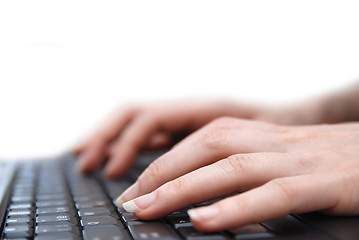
(134, 128)
(279, 169)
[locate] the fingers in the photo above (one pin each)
(79, 148)
(94, 150)
(158, 141)
(236, 173)
(211, 143)
(131, 141)
(275, 199)
(91, 158)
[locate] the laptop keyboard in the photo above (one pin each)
(50, 200)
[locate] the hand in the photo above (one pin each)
(134, 128)
(279, 169)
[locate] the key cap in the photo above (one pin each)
(17, 220)
(89, 197)
(47, 197)
(128, 217)
(56, 228)
(100, 220)
(25, 212)
(115, 188)
(18, 231)
(289, 225)
(54, 210)
(92, 204)
(190, 233)
(27, 206)
(57, 203)
(62, 217)
(178, 213)
(337, 226)
(57, 236)
(100, 211)
(131, 219)
(178, 222)
(105, 233)
(251, 228)
(152, 231)
(21, 199)
(251, 231)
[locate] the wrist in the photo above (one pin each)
(305, 113)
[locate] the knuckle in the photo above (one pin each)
(177, 189)
(222, 122)
(308, 162)
(236, 165)
(300, 135)
(213, 138)
(177, 185)
(283, 189)
(152, 174)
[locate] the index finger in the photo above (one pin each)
(200, 149)
(93, 151)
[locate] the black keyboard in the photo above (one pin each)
(50, 200)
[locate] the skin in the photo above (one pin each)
(280, 159)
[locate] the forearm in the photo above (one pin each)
(342, 106)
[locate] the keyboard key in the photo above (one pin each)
(337, 226)
(19, 231)
(20, 206)
(62, 217)
(47, 197)
(190, 233)
(180, 222)
(100, 211)
(21, 199)
(54, 210)
(56, 228)
(115, 188)
(56, 203)
(128, 216)
(289, 225)
(89, 197)
(251, 231)
(92, 204)
(178, 213)
(57, 236)
(251, 228)
(18, 220)
(100, 220)
(131, 219)
(21, 213)
(105, 233)
(152, 231)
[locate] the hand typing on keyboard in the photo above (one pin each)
(132, 129)
(275, 169)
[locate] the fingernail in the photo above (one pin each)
(203, 213)
(128, 194)
(140, 203)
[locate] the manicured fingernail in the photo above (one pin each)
(140, 203)
(128, 194)
(203, 213)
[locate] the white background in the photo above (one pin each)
(65, 64)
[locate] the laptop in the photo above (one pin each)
(47, 199)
